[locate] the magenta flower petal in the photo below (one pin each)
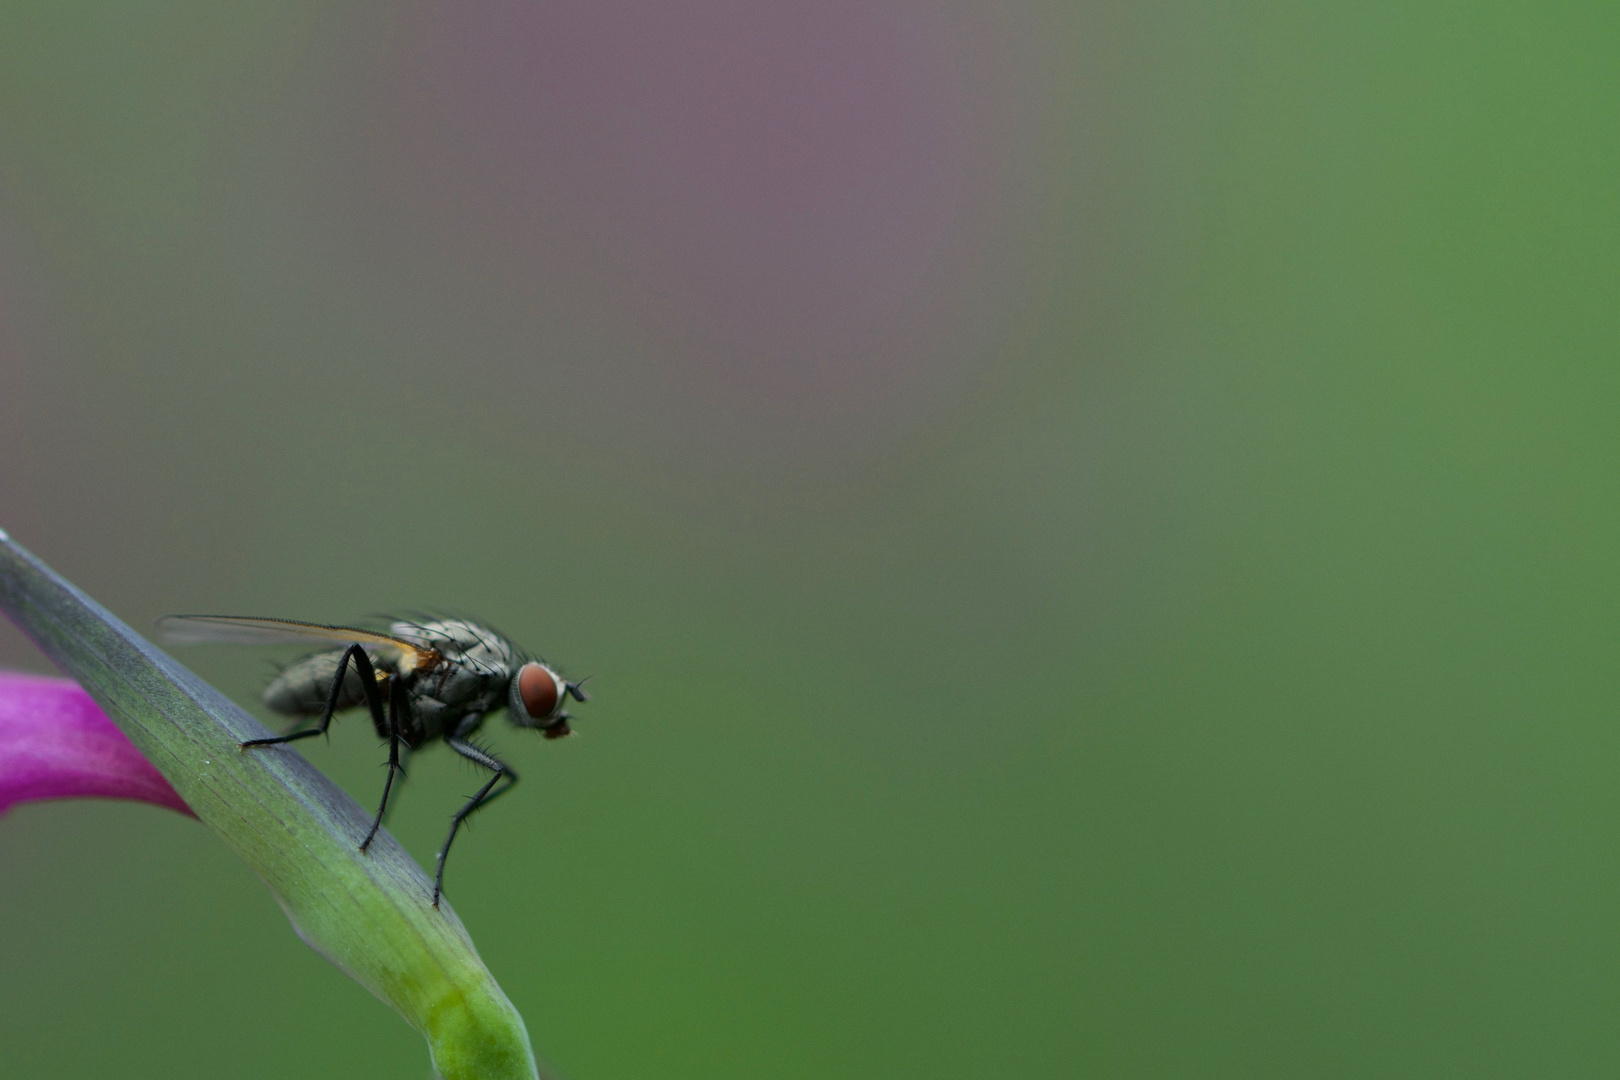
(56, 743)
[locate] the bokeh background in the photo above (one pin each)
(1094, 524)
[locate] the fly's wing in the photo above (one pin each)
(251, 630)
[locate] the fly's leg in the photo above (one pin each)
(368, 682)
(484, 797)
(403, 768)
(397, 704)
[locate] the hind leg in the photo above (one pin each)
(368, 683)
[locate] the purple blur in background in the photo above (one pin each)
(781, 196)
(56, 743)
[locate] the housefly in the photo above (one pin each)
(441, 678)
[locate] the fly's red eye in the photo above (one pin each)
(538, 690)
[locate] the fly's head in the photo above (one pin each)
(536, 697)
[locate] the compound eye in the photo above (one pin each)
(538, 689)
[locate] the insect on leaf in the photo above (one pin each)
(368, 913)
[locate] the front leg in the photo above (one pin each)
(482, 799)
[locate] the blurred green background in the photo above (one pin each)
(1093, 524)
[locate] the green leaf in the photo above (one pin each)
(368, 913)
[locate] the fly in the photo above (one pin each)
(442, 678)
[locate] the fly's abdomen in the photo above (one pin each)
(301, 688)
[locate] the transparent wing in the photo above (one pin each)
(251, 630)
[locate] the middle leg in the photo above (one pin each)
(398, 703)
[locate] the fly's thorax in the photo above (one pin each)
(465, 642)
(462, 687)
(477, 665)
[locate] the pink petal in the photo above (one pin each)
(56, 743)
